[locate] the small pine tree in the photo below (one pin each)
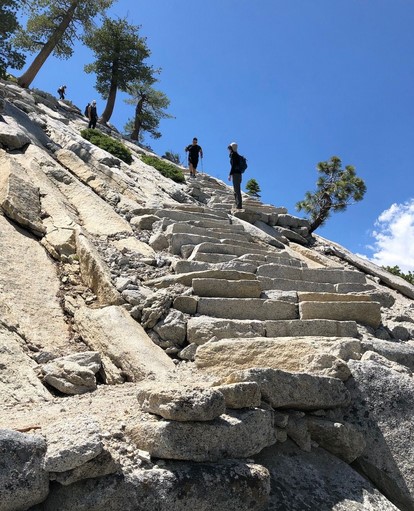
(395, 270)
(253, 188)
(172, 157)
(336, 188)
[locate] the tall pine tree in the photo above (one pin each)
(149, 110)
(9, 56)
(119, 60)
(53, 28)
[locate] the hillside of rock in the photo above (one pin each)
(160, 350)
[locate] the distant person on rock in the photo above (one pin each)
(92, 115)
(193, 150)
(62, 91)
(235, 174)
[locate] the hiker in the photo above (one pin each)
(193, 151)
(62, 91)
(92, 115)
(235, 175)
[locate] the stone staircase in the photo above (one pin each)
(241, 287)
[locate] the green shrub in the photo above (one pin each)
(108, 143)
(395, 270)
(165, 168)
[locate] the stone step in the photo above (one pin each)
(353, 288)
(231, 228)
(184, 266)
(365, 312)
(226, 288)
(247, 308)
(282, 258)
(294, 354)
(325, 275)
(187, 240)
(332, 297)
(224, 233)
(186, 279)
(201, 329)
(225, 248)
(305, 286)
(236, 264)
(281, 284)
(179, 240)
(216, 224)
(182, 216)
(311, 327)
(214, 258)
(222, 206)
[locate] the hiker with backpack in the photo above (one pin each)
(193, 151)
(62, 91)
(91, 114)
(238, 165)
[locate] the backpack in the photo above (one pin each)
(86, 112)
(242, 163)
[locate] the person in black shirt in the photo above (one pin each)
(61, 91)
(193, 150)
(235, 174)
(92, 115)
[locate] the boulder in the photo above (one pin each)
(102, 465)
(95, 272)
(229, 485)
(126, 350)
(12, 137)
(317, 480)
(19, 198)
(23, 479)
(33, 295)
(341, 439)
(382, 409)
(73, 374)
(236, 434)
(71, 443)
(182, 404)
(18, 381)
(241, 395)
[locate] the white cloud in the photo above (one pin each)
(394, 237)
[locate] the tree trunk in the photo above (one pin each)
(137, 120)
(110, 103)
(27, 78)
(323, 213)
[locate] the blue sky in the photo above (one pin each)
(294, 82)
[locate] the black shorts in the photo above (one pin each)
(194, 162)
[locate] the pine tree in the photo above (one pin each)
(9, 57)
(149, 110)
(119, 60)
(53, 28)
(253, 188)
(337, 188)
(172, 157)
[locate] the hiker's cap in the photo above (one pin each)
(93, 102)
(234, 146)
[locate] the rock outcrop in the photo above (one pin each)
(160, 350)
